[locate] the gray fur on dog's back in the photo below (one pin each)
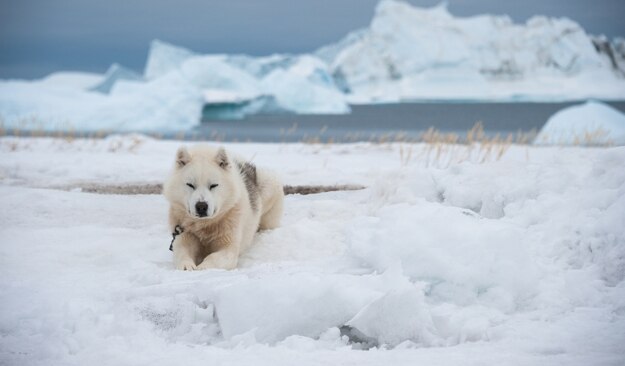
(248, 172)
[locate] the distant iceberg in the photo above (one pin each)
(166, 103)
(406, 54)
(179, 88)
(589, 124)
(412, 53)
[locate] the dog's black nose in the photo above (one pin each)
(201, 208)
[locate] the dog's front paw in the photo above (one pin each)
(186, 265)
(206, 264)
(215, 261)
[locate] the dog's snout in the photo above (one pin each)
(201, 208)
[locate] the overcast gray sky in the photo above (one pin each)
(41, 36)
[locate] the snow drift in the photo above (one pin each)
(591, 123)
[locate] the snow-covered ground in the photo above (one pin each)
(442, 260)
(406, 54)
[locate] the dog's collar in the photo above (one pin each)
(177, 231)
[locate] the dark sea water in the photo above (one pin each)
(383, 122)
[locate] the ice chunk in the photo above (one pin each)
(261, 66)
(239, 108)
(163, 58)
(166, 103)
(591, 123)
(300, 304)
(396, 317)
(300, 84)
(306, 87)
(213, 73)
(115, 73)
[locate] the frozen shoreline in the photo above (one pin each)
(388, 122)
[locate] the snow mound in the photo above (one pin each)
(591, 123)
(423, 250)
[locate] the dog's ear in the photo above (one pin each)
(182, 157)
(222, 158)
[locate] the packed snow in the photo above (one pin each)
(517, 260)
(406, 54)
(591, 123)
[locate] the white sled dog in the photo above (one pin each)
(218, 203)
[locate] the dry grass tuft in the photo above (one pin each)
(441, 149)
(595, 138)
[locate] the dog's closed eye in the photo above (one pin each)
(190, 185)
(213, 186)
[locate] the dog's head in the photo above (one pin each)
(202, 182)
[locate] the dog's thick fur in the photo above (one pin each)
(220, 202)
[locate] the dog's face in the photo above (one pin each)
(201, 182)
